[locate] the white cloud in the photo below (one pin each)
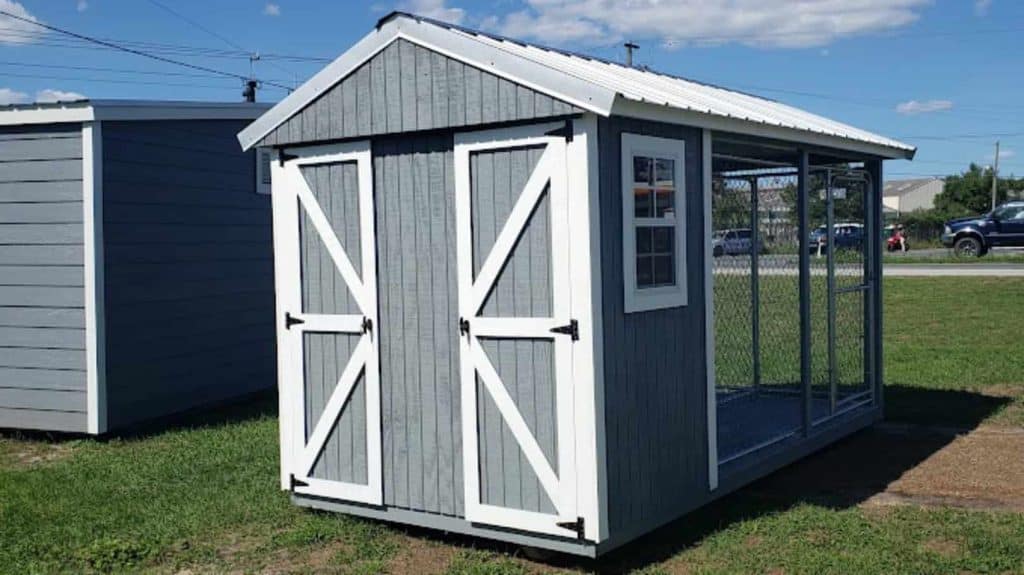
(82, 6)
(49, 96)
(436, 9)
(15, 31)
(676, 23)
(981, 7)
(272, 9)
(1005, 154)
(914, 107)
(9, 96)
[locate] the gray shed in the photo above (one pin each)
(499, 313)
(136, 277)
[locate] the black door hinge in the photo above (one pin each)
(283, 156)
(290, 320)
(565, 131)
(571, 329)
(296, 482)
(463, 326)
(576, 526)
(367, 325)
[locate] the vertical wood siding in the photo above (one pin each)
(42, 295)
(406, 88)
(655, 388)
(188, 268)
(414, 188)
(523, 289)
(336, 189)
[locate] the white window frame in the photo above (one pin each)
(645, 299)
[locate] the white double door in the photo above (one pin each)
(316, 238)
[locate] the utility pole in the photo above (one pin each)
(995, 176)
(629, 53)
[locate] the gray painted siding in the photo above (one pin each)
(422, 455)
(336, 189)
(406, 87)
(655, 390)
(188, 269)
(526, 367)
(42, 295)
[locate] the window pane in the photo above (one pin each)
(663, 240)
(643, 240)
(642, 170)
(664, 270)
(644, 271)
(642, 202)
(664, 172)
(664, 204)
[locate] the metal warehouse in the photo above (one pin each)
(136, 278)
(500, 310)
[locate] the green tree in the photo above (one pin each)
(970, 192)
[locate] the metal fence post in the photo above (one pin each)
(805, 287)
(830, 282)
(755, 282)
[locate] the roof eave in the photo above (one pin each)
(126, 110)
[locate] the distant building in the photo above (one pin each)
(903, 196)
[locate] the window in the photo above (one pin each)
(653, 219)
(264, 157)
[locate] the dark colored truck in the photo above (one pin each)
(975, 236)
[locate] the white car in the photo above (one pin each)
(734, 242)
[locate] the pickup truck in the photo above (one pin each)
(975, 236)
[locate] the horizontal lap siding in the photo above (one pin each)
(42, 317)
(655, 390)
(405, 88)
(188, 269)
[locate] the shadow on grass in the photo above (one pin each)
(841, 476)
(229, 412)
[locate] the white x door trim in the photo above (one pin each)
(292, 195)
(550, 173)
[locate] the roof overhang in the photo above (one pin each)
(566, 85)
(127, 110)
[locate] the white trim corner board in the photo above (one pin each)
(92, 226)
(709, 314)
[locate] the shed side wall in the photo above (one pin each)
(655, 387)
(188, 268)
(405, 88)
(42, 295)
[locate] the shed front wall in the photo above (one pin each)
(188, 268)
(42, 294)
(654, 362)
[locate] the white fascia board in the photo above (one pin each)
(114, 110)
(23, 116)
(668, 114)
(451, 43)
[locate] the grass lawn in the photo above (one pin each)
(992, 258)
(205, 499)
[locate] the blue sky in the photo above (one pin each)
(944, 75)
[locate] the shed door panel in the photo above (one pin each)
(331, 320)
(518, 437)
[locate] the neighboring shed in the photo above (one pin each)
(136, 278)
(496, 301)
(905, 196)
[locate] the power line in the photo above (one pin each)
(102, 69)
(134, 51)
(966, 136)
(122, 81)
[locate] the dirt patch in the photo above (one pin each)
(25, 454)
(421, 556)
(911, 465)
(944, 547)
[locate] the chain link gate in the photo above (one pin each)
(756, 248)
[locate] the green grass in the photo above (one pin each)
(205, 498)
(993, 258)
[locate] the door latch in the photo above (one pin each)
(290, 320)
(463, 326)
(576, 526)
(571, 329)
(367, 325)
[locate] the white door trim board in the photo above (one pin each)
(292, 197)
(92, 225)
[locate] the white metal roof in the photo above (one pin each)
(126, 110)
(600, 86)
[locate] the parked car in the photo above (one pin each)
(734, 242)
(975, 236)
(848, 236)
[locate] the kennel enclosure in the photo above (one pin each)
(136, 278)
(497, 301)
